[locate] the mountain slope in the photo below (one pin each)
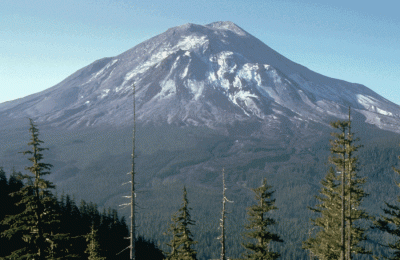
(209, 75)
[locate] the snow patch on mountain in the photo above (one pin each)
(168, 89)
(383, 112)
(191, 42)
(100, 74)
(104, 93)
(372, 104)
(204, 75)
(196, 88)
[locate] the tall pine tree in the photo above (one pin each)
(259, 225)
(35, 225)
(338, 150)
(182, 239)
(342, 195)
(390, 223)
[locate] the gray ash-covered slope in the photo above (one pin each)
(208, 75)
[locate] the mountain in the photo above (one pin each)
(207, 97)
(210, 75)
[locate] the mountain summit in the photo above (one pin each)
(211, 75)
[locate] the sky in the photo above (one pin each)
(44, 41)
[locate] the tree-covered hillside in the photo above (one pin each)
(92, 165)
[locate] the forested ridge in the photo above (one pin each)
(37, 224)
(77, 221)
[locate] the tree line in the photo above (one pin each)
(38, 225)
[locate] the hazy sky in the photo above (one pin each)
(44, 41)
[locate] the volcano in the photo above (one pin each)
(210, 75)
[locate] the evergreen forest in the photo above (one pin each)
(36, 222)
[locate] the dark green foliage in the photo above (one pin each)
(111, 229)
(327, 242)
(259, 225)
(79, 221)
(147, 250)
(182, 239)
(9, 208)
(77, 224)
(3, 193)
(174, 243)
(338, 150)
(390, 223)
(93, 246)
(339, 227)
(88, 163)
(35, 225)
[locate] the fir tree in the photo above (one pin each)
(391, 224)
(338, 149)
(174, 243)
(35, 224)
(327, 242)
(93, 247)
(259, 225)
(340, 201)
(182, 239)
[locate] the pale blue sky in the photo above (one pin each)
(44, 41)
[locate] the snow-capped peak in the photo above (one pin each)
(203, 75)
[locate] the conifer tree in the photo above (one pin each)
(259, 225)
(391, 223)
(3, 193)
(35, 224)
(327, 242)
(182, 239)
(340, 201)
(174, 243)
(8, 207)
(356, 195)
(338, 149)
(5, 206)
(93, 247)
